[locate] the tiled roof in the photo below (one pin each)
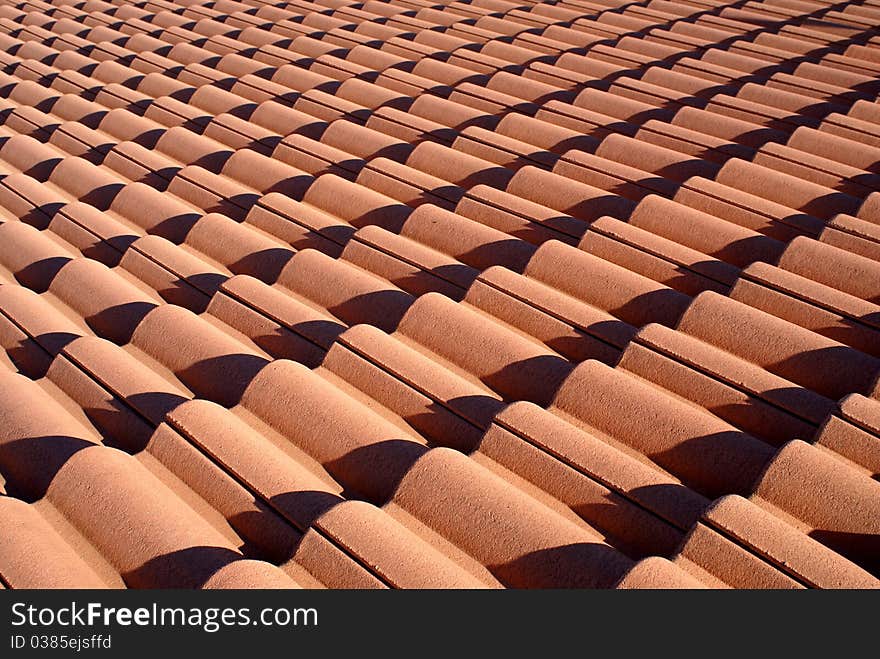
(577, 293)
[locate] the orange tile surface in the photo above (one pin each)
(411, 294)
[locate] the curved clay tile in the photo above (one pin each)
(270, 473)
(557, 139)
(521, 541)
(282, 324)
(345, 290)
(797, 354)
(359, 535)
(192, 149)
(31, 256)
(30, 156)
(266, 174)
(531, 90)
(851, 152)
(91, 369)
(851, 128)
(173, 113)
(583, 201)
(364, 142)
(330, 107)
(619, 107)
(659, 160)
(743, 394)
(97, 235)
(444, 72)
(178, 274)
(141, 165)
(844, 518)
(519, 217)
(372, 96)
(316, 158)
(518, 366)
(853, 432)
(125, 125)
(663, 260)
(747, 210)
(684, 431)
(212, 193)
(219, 496)
(490, 100)
(649, 510)
(834, 267)
(240, 133)
(285, 120)
(631, 297)
(408, 382)
(35, 555)
(743, 546)
(457, 167)
(111, 304)
(853, 235)
(658, 573)
(470, 242)
(209, 360)
(165, 542)
(408, 185)
(409, 127)
(406, 263)
(362, 449)
(622, 180)
(75, 108)
(86, 182)
(786, 189)
(377, 59)
(500, 149)
(574, 329)
(704, 232)
(356, 204)
(738, 130)
(299, 225)
(822, 171)
(154, 212)
(157, 85)
(35, 326)
(824, 310)
(449, 113)
(239, 247)
(249, 574)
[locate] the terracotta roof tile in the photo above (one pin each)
(574, 329)
(35, 555)
(843, 270)
(580, 470)
(659, 258)
(518, 368)
(855, 496)
(745, 547)
(822, 309)
(625, 294)
(778, 410)
(404, 378)
(540, 548)
(406, 263)
(736, 460)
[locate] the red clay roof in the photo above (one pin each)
(396, 293)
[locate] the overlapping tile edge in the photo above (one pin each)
(453, 295)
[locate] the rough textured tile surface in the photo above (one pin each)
(403, 294)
